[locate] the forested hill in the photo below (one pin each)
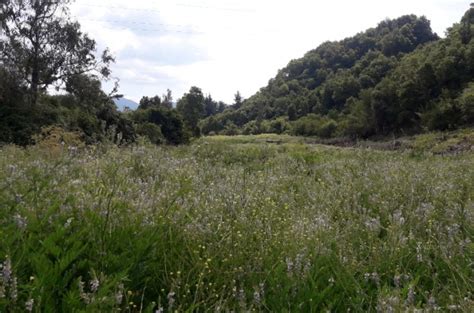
(396, 77)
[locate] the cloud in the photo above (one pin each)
(225, 45)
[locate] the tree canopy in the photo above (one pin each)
(44, 47)
(395, 78)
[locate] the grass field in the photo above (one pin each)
(245, 224)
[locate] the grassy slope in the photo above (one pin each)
(237, 223)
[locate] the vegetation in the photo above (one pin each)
(396, 78)
(235, 224)
(42, 48)
(96, 217)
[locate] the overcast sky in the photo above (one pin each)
(223, 46)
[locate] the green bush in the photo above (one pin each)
(314, 125)
(466, 102)
(152, 132)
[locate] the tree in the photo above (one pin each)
(191, 107)
(221, 106)
(88, 92)
(238, 100)
(210, 106)
(15, 120)
(44, 47)
(167, 100)
(146, 102)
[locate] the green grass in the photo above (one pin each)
(264, 223)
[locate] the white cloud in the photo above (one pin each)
(225, 45)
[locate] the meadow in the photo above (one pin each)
(236, 224)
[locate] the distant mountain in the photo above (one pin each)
(122, 103)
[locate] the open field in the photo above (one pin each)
(245, 223)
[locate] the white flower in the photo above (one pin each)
(94, 284)
(29, 305)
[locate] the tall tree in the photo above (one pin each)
(167, 100)
(146, 102)
(221, 106)
(44, 47)
(191, 107)
(238, 100)
(210, 106)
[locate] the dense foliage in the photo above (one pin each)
(398, 77)
(42, 47)
(85, 108)
(235, 225)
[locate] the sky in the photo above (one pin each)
(225, 46)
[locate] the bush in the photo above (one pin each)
(314, 125)
(466, 102)
(231, 130)
(444, 115)
(169, 121)
(55, 139)
(152, 132)
(252, 128)
(327, 129)
(277, 126)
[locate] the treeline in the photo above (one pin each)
(396, 78)
(157, 119)
(86, 111)
(41, 51)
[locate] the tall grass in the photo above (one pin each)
(220, 226)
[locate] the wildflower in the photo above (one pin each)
(373, 224)
(256, 297)
(289, 265)
(84, 296)
(374, 277)
(307, 268)
(241, 298)
(432, 303)
(29, 305)
(68, 222)
(171, 299)
(419, 256)
(397, 281)
(119, 294)
(397, 218)
(14, 289)
(410, 297)
(94, 284)
(7, 270)
(18, 198)
(12, 168)
(367, 277)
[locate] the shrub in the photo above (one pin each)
(152, 132)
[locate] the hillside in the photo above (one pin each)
(398, 77)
